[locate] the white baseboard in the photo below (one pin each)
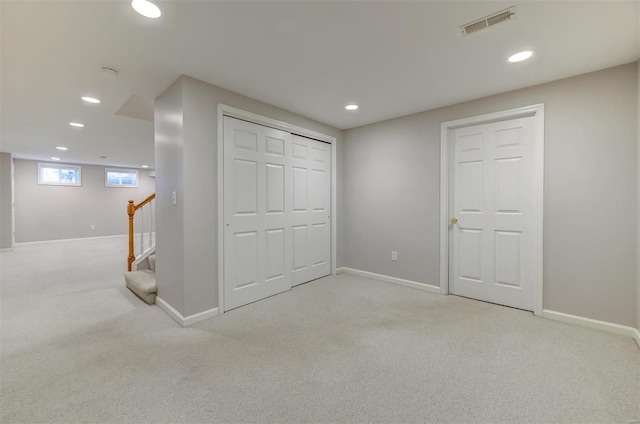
(6, 249)
(609, 327)
(26, 243)
(387, 279)
(185, 321)
(636, 336)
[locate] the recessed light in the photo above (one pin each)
(54, 158)
(90, 99)
(145, 166)
(351, 107)
(62, 148)
(76, 124)
(103, 157)
(520, 56)
(146, 8)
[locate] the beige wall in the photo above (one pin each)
(6, 189)
(391, 192)
(186, 129)
(45, 212)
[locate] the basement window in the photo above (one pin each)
(61, 175)
(120, 178)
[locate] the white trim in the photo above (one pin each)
(273, 123)
(225, 110)
(185, 321)
(26, 243)
(609, 327)
(6, 249)
(537, 111)
(121, 171)
(388, 279)
(220, 228)
(59, 166)
(636, 336)
(139, 259)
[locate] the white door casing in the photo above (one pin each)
(493, 187)
(277, 228)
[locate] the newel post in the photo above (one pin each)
(131, 210)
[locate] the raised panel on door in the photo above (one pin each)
(257, 245)
(491, 175)
(245, 259)
(311, 209)
(275, 188)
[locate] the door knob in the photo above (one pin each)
(454, 220)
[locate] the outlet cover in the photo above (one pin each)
(394, 256)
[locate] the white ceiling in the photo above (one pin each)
(392, 58)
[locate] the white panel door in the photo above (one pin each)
(491, 244)
(277, 196)
(257, 219)
(310, 174)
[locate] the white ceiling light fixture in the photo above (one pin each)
(76, 124)
(90, 99)
(146, 8)
(520, 56)
(145, 166)
(62, 148)
(54, 158)
(352, 107)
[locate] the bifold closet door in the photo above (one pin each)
(277, 196)
(257, 232)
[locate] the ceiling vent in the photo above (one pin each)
(487, 21)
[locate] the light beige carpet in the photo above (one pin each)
(77, 346)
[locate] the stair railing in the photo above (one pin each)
(144, 246)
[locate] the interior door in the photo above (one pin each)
(311, 221)
(492, 220)
(257, 232)
(277, 197)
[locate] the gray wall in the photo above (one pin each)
(6, 187)
(45, 212)
(638, 205)
(391, 192)
(186, 129)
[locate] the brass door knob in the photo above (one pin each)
(454, 220)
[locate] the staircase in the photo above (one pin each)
(143, 281)
(141, 275)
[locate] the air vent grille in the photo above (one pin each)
(487, 21)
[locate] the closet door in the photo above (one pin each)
(311, 222)
(257, 219)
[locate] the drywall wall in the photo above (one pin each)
(46, 212)
(391, 192)
(168, 130)
(638, 200)
(186, 126)
(6, 189)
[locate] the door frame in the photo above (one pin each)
(232, 112)
(535, 111)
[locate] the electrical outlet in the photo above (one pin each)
(394, 256)
(93, 227)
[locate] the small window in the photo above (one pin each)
(54, 174)
(120, 178)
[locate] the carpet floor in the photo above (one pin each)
(77, 346)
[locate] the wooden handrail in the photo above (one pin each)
(131, 211)
(144, 202)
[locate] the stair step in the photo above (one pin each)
(143, 284)
(152, 262)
